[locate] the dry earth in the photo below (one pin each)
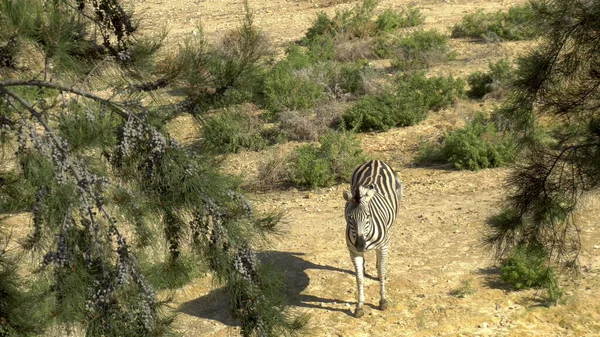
(436, 246)
(436, 242)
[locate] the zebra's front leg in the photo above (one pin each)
(381, 271)
(358, 261)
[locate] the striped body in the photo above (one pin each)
(371, 209)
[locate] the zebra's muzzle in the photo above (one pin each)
(360, 244)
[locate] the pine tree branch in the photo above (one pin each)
(43, 84)
(81, 181)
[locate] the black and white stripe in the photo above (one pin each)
(371, 209)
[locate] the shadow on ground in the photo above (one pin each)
(214, 305)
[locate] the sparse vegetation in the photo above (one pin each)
(465, 290)
(515, 24)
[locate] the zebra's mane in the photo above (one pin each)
(357, 195)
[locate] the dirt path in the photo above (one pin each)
(436, 247)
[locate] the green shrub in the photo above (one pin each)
(526, 267)
(233, 129)
(483, 83)
(390, 20)
(321, 48)
(511, 25)
(355, 22)
(414, 96)
(309, 168)
(420, 49)
(345, 78)
(322, 26)
(479, 145)
(284, 89)
(331, 161)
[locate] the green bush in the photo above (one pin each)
(421, 49)
(355, 22)
(483, 83)
(331, 161)
(511, 25)
(320, 48)
(390, 20)
(409, 104)
(344, 78)
(476, 146)
(233, 129)
(284, 89)
(526, 267)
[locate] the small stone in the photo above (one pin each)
(483, 325)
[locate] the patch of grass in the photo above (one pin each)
(526, 267)
(390, 20)
(414, 96)
(497, 78)
(331, 161)
(498, 26)
(465, 290)
(476, 146)
(420, 49)
(232, 129)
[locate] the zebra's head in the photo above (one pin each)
(358, 215)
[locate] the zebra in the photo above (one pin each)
(371, 208)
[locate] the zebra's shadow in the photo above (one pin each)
(214, 305)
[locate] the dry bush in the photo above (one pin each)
(272, 172)
(354, 49)
(310, 126)
(298, 125)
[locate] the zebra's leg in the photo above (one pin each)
(358, 261)
(381, 265)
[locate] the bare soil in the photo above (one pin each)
(437, 240)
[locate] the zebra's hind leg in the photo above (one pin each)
(381, 265)
(358, 261)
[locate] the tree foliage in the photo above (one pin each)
(555, 109)
(91, 159)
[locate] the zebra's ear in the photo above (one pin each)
(366, 193)
(348, 196)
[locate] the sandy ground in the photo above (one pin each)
(436, 245)
(437, 240)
